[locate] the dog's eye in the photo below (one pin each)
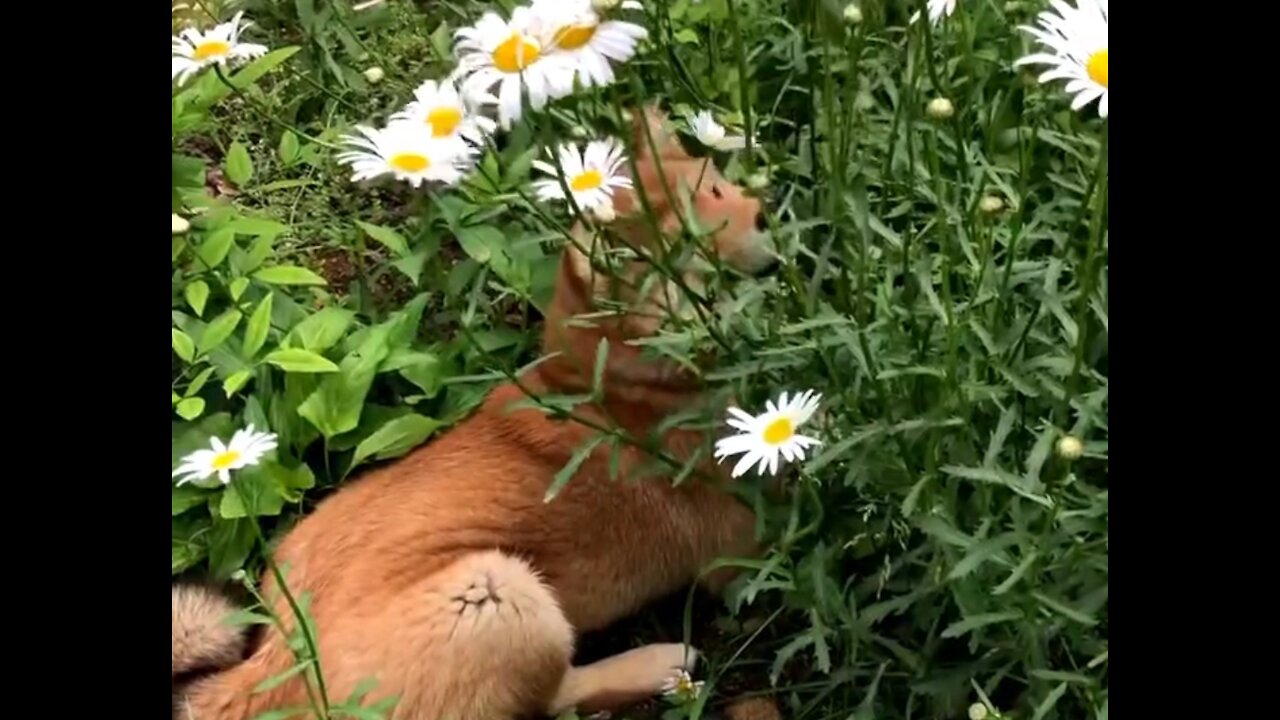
(715, 190)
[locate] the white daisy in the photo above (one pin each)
(405, 152)
(772, 432)
(445, 113)
(682, 686)
(712, 134)
(573, 30)
(1077, 38)
(938, 9)
(591, 176)
(511, 56)
(246, 448)
(194, 50)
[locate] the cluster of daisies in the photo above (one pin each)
(1075, 44)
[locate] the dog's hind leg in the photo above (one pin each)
(623, 679)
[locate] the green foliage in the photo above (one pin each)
(936, 551)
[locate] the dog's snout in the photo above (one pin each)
(769, 267)
(762, 223)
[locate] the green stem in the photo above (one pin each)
(1091, 271)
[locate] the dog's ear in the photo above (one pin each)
(651, 131)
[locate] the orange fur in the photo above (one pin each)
(446, 576)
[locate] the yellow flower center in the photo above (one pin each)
(587, 180)
(1096, 66)
(778, 431)
(211, 49)
(410, 162)
(515, 54)
(443, 120)
(225, 459)
(572, 37)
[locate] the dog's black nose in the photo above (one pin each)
(769, 268)
(762, 223)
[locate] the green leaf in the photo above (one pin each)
(481, 242)
(198, 383)
(289, 147)
(290, 482)
(301, 361)
(288, 275)
(252, 487)
(395, 438)
(999, 477)
(235, 381)
(321, 331)
(238, 286)
(255, 335)
(219, 330)
(980, 553)
(229, 546)
(183, 345)
(335, 406)
(597, 373)
(215, 247)
(277, 680)
(1049, 701)
(973, 622)
(186, 497)
(567, 472)
(197, 293)
(238, 166)
(1063, 609)
(393, 240)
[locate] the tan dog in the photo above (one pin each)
(445, 577)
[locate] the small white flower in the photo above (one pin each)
(574, 32)
(591, 176)
(852, 14)
(374, 74)
(712, 134)
(405, 152)
(194, 50)
(991, 204)
(246, 448)
(180, 224)
(510, 55)
(978, 711)
(1077, 39)
(442, 111)
(938, 9)
(763, 437)
(682, 686)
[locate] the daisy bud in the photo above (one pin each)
(757, 181)
(977, 711)
(604, 213)
(940, 108)
(579, 132)
(603, 6)
(374, 75)
(990, 204)
(180, 224)
(852, 14)
(1070, 447)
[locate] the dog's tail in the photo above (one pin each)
(202, 639)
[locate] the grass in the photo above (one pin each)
(944, 286)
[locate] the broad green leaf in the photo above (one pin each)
(395, 438)
(215, 247)
(290, 482)
(219, 329)
(289, 147)
(393, 240)
(183, 345)
(235, 381)
(321, 331)
(198, 383)
(186, 497)
(335, 406)
(252, 487)
(238, 165)
(301, 361)
(229, 546)
(238, 286)
(288, 275)
(255, 334)
(197, 293)
(481, 242)
(571, 468)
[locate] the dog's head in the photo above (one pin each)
(628, 296)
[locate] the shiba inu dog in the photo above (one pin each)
(447, 578)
